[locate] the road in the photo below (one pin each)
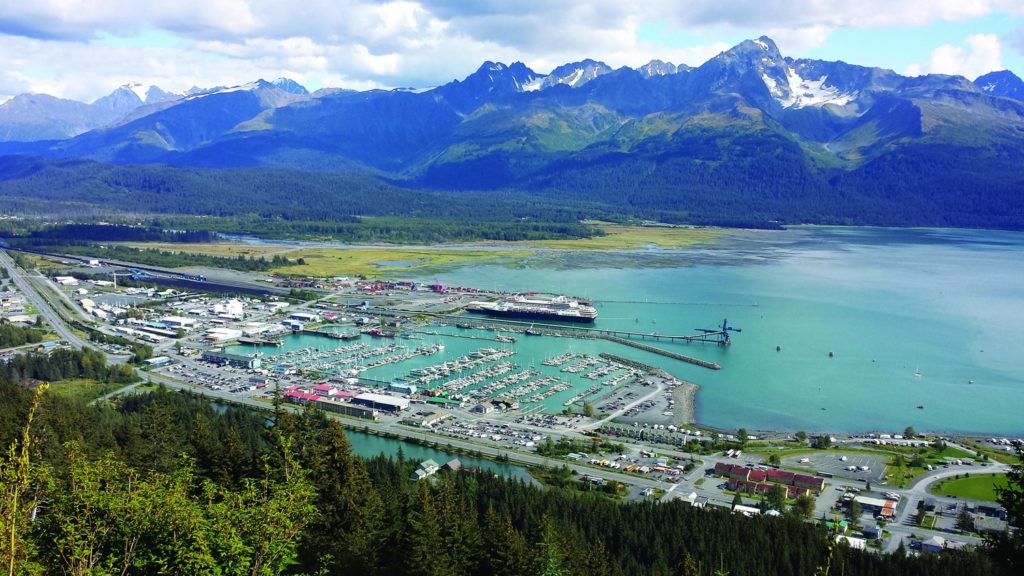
(42, 305)
(44, 308)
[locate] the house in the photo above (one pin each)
(872, 532)
(935, 544)
(990, 524)
(700, 502)
(748, 511)
(426, 468)
(453, 465)
(852, 542)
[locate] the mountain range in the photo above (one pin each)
(750, 132)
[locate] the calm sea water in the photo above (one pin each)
(888, 304)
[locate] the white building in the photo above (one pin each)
(304, 316)
(222, 334)
(230, 309)
(179, 322)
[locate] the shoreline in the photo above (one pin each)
(685, 395)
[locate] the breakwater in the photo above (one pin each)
(662, 352)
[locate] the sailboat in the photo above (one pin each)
(917, 372)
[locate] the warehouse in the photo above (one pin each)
(335, 404)
(884, 508)
(218, 356)
(381, 402)
(175, 322)
(304, 317)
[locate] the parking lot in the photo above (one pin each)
(839, 463)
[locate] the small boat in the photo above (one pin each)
(920, 406)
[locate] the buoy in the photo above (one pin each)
(830, 355)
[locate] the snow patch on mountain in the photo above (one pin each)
(139, 89)
(575, 78)
(533, 84)
(804, 92)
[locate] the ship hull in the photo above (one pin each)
(535, 316)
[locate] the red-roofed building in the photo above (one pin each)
(300, 397)
(751, 480)
(323, 390)
(780, 476)
(810, 482)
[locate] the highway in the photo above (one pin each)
(44, 308)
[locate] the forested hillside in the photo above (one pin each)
(164, 483)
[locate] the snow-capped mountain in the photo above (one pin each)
(290, 86)
(1003, 83)
(658, 68)
(575, 74)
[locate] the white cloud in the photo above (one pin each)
(981, 55)
(63, 47)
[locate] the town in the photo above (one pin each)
(403, 360)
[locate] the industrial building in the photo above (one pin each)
(381, 402)
(877, 506)
(157, 361)
(218, 356)
(402, 388)
(306, 317)
(175, 322)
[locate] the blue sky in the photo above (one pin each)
(83, 50)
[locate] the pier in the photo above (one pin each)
(666, 353)
(463, 336)
(719, 337)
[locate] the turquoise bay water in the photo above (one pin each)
(887, 303)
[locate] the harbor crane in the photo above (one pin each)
(722, 333)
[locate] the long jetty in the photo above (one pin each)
(662, 352)
(463, 336)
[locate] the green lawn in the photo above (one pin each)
(953, 452)
(975, 487)
(82, 389)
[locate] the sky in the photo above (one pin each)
(84, 49)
